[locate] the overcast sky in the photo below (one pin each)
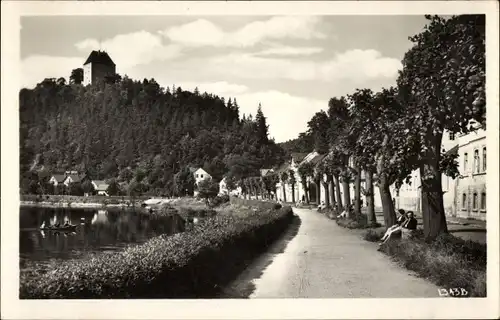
(291, 64)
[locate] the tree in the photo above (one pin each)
(208, 189)
(284, 180)
(113, 188)
(338, 113)
(293, 182)
(443, 86)
(306, 170)
(88, 187)
(262, 127)
(318, 128)
(184, 182)
(76, 76)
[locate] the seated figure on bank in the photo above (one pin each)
(395, 228)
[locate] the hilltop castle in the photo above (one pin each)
(97, 66)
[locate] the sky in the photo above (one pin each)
(291, 65)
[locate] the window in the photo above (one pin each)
(466, 162)
(464, 201)
(483, 201)
(484, 159)
(201, 176)
(476, 161)
(474, 201)
(452, 136)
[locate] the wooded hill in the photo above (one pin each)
(137, 132)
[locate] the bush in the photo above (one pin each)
(450, 262)
(193, 264)
(219, 200)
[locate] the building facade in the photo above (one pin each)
(97, 67)
(464, 196)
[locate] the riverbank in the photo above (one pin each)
(193, 264)
(64, 201)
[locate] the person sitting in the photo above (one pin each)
(344, 213)
(411, 222)
(395, 228)
(321, 206)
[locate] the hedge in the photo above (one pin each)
(255, 203)
(194, 264)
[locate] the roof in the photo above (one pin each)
(284, 167)
(264, 172)
(100, 185)
(298, 157)
(317, 159)
(76, 177)
(193, 169)
(59, 177)
(100, 57)
(453, 150)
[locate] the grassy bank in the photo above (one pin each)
(358, 222)
(193, 264)
(449, 262)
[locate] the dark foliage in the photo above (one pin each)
(138, 133)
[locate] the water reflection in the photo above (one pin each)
(96, 230)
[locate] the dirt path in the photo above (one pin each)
(324, 260)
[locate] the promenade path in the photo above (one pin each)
(323, 260)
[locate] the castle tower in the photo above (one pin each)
(97, 66)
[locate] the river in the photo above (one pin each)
(97, 230)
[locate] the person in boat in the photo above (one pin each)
(56, 225)
(66, 224)
(395, 228)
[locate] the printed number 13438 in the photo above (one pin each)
(453, 292)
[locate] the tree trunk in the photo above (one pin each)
(357, 191)
(284, 192)
(337, 193)
(387, 204)
(331, 191)
(370, 200)
(432, 196)
(385, 192)
(318, 191)
(293, 193)
(347, 193)
(306, 193)
(327, 194)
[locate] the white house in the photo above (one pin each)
(73, 177)
(199, 175)
(464, 196)
(57, 179)
(224, 190)
(223, 187)
(100, 187)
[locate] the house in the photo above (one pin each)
(264, 172)
(223, 189)
(464, 196)
(57, 179)
(74, 177)
(97, 67)
(199, 175)
(101, 187)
